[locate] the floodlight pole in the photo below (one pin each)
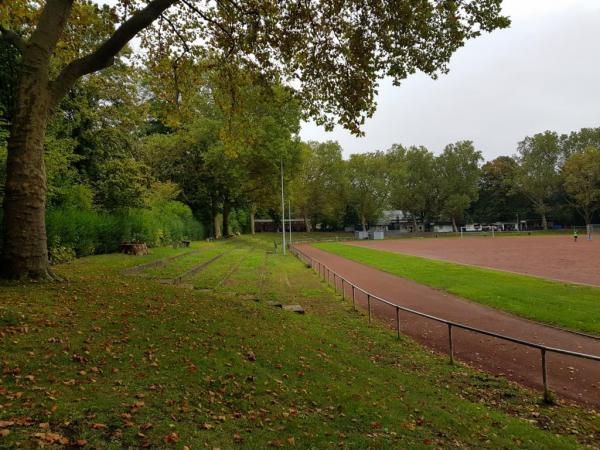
(290, 218)
(282, 210)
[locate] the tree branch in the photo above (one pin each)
(104, 55)
(209, 20)
(10, 36)
(178, 34)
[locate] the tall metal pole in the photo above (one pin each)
(282, 210)
(290, 218)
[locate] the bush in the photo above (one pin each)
(91, 232)
(59, 254)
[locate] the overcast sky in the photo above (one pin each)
(543, 73)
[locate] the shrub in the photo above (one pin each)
(59, 254)
(90, 232)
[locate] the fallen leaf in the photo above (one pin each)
(52, 438)
(170, 438)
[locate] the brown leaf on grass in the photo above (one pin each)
(6, 423)
(98, 426)
(23, 421)
(4, 432)
(291, 440)
(237, 437)
(44, 425)
(276, 443)
(171, 438)
(250, 356)
(52, 438)
(81, 443)
(207, 426)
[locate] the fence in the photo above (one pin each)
(326, 273)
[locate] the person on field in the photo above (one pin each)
(575, 235)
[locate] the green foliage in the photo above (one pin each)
(498, 199)
(368, 191)
(458, 176)
(317, 189)
(122, 184)
(87, 232)
(413, 181)
(74, 196)
(59, 253)
(538, 177)
(581, 174)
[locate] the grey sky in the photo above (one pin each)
(542, 73)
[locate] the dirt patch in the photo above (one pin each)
(554, 257)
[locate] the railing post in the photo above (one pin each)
(398, 321)
(343, 291)
(369, 306)
(334, 284)
(547, 396)
(450, 346)
(353, 299)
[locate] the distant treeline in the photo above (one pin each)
(550, 177)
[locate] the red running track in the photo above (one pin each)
(568, 377)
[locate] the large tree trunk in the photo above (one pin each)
(307, 223)
(364, 223)
(252, 225)
(217, 220)
(226, 213)
(25, 250)
(544, 221)
(415, 226)
(454, 227)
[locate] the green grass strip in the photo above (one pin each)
(566, 305)
(183, 264)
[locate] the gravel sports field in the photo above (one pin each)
(554, 257)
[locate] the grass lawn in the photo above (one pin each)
(185, 263)
(112, 361)
(567, 305)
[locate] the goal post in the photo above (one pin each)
(587, 230)
(470, 232)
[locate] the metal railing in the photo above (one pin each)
(327, 272)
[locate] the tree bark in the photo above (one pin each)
(544, 222)
(416, 228)
(364, 223)
(252, 214)
(217, 224)
(226, 213)
(307, 224)
(25, 249)
(454, 227)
